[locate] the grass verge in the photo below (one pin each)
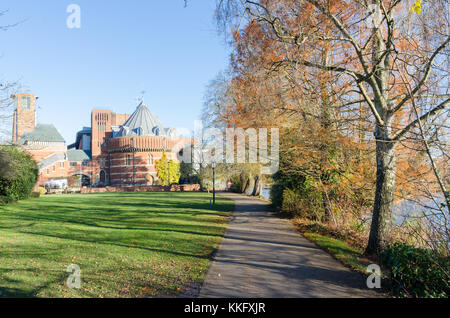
(345, 247)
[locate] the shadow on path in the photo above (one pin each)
(262, 255)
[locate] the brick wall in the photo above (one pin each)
(101, 125)
(63, 169)
(40, 152)
(101, 122)
(172, 188)
(144, 167)
(24, 120)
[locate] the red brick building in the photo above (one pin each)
(118, 149)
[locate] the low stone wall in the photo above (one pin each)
(172, 188)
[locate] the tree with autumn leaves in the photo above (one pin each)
(338, 70)
(168, 170)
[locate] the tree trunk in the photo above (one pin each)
(244, 183)
(258, 186)
(327, 208)
(384, 196)
(249, 186)
(385, 153)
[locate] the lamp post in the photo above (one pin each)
(213, 165)
(134, 158)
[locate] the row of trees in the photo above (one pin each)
(359, 90)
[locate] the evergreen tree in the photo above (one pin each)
(168, 170)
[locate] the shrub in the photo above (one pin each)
(73, 181)
(291, 202)
(18, 175)
(168, 170)
(42, 191)
(35, 194)
(236, 183)
(236, 188)
(417, 272)
(276, 195)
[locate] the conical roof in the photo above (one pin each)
(142, 123)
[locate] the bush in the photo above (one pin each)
(291, 202)
(42, 191)
(276, 195)
(18, 174)
(417, 272)
(236, 188)
(35, 194)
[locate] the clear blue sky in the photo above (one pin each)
(122, 48)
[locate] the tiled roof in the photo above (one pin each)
(78, 155)
(42, 133)
(142, 123)
(51, 160)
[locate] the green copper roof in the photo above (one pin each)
(78, 155)
(42, 133)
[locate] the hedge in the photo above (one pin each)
(18, 174)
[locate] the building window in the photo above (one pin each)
(48, 171)
(128, 160)
(61, 164)
(73, 164)
(85, 163)
(150, 159)
(26, 101)
(54, 168)
(102, 177)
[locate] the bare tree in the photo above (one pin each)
(7, 90)
(7, 105)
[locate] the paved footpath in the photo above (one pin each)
(262, 255)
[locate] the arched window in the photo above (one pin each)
(150, 180)
(102, 177)
(150, 160)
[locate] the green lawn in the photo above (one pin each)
(126, 244)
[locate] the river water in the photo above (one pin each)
(402, 210)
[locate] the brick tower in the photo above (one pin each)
(24, 115)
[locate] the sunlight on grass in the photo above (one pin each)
(346, 247)
(127, 244)
(339, 249)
